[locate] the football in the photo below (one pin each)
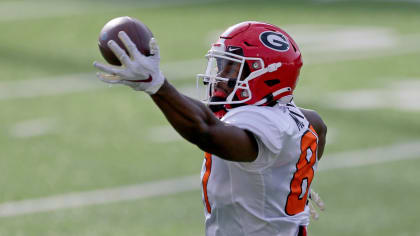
(138, 32)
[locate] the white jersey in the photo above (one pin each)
(267, 197)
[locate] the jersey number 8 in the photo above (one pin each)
(301, 181)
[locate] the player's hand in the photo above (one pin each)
(314, 198)
(138, 71)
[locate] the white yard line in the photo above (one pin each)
(85, 81)
(403, 94)
(356, 158)
(334, 43)
(49, 86)
(72, 200)
(31, 128)
(318, 39)
(393, 152)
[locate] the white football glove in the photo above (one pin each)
(314, 198)
(138, 71)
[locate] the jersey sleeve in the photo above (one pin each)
(268, 128)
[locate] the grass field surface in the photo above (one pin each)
(63, 132)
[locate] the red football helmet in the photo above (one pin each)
(260, 62)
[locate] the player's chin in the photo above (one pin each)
(216, 108)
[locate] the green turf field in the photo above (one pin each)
(62, 131)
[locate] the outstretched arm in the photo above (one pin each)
(196, 123)
(190, 118)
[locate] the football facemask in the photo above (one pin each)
(229, 68)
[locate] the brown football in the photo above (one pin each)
(135, 29)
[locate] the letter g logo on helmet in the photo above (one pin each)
(275, 41)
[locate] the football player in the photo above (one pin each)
(261, 150)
